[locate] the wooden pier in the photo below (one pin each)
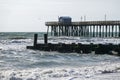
(65, 27)
(85, 28)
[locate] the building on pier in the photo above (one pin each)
(65, 27)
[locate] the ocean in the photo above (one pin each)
(19, 63)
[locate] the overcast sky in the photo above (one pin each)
(31, 15)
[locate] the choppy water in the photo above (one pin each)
(19, 63)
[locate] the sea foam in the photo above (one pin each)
(104, 71)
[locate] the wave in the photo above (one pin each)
(101, 72)
(76, 40)
(17, 37)
(1, 34)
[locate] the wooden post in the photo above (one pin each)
(51, 30)
(109, 31)
(103, 33)
(59, 30)
(90, 31)
(116, 31)
(100, 30)
(106, 33)
(47, 29)
(119, 30)
(45, 38)
(80, 31)
(93, 31)
(96, 31)
(112, 30)
(35, 39)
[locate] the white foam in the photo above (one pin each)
(69, 40)
(19, 44)
(102, 72)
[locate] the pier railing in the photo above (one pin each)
(87, 23)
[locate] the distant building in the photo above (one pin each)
(65, 20)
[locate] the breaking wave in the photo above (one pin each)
(104, 71)
(18, 63)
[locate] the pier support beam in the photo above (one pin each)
(90, 33)
(103, 33)
(116, 31)
(100, 33)
(112, 31)
(109, 33)
(93, 31)
(96, 31)
(106, 33)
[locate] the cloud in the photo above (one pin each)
(31, 15)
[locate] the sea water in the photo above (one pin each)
(19, 63)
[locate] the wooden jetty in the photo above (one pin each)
(111, 49)
(66, 27)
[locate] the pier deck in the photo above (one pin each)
(87, 23)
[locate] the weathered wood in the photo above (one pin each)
(35, 39)
(45, 38)
(78, 48)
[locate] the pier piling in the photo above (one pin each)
(35, 39)
(45, 38)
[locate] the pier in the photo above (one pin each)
(65, 27)
(84, 28)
